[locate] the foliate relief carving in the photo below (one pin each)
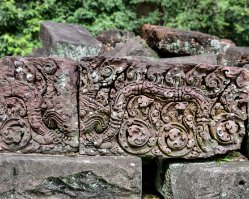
(149, 109)
(38, 108)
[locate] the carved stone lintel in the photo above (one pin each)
(126, 106)
(167, 110)
(38, 107)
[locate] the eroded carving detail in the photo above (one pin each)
(146, 109)
(38, 109)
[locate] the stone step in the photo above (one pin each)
(63, 177)
(206, 180)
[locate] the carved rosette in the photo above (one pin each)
(38, 109)
(151, 109)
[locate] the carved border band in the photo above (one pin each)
(121, 106)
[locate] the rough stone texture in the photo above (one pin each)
(245, 145)
(58, 177)
(67, 40)
(38, 107)
(172, 42)
(112, 37)
(133, 47)
(235, 56)
(138, 107)
(209, 180)
(196, 59)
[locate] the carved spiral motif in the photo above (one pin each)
(168, 110)
(107, 71)
(175, 140)
(136, 136)
(16, 134)
(226, 130)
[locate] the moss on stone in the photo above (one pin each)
(74, 52)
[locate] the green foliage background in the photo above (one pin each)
(20, 19)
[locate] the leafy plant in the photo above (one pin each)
(20, 19)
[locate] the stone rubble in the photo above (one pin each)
(67, 40)
(175, 42)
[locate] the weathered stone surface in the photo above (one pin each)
(172, 42)
(207, 180)
(133, 47)
(58, 177)
(235, 56)
(196, 59)
(38, 107)
(136, 107)
(112, 37)
(245, 145)
(67, 40)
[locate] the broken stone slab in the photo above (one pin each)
(154, 109)
(235, 56)
(62, 177)
(205, 180)
(67, 40)
(170, 42)
(132, 47)
(38, 105)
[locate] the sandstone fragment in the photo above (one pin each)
(235, 56)
(170, 42)
(143, 108)
(67, 40)
(38, 107)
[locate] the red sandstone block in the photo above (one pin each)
(158, 109)
(174, 42)
(235, 56)
(38, 107)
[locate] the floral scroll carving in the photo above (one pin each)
(35, 114)
(152, 109)
(125, 106)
